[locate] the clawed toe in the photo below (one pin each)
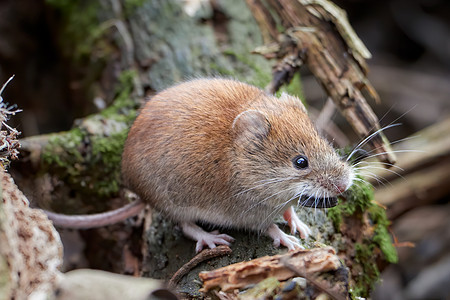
(212, 240)
(296, 224)
(281, 238)
(203, 238)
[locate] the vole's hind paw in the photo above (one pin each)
(295, 223)
(212, 239)
(281, 238)
(203, 238)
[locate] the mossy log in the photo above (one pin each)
(151, 45)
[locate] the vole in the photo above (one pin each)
(227, 153)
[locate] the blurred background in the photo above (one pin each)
(410, 69)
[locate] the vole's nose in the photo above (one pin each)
(340, 187)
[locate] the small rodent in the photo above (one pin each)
(227, 153)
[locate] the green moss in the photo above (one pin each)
(131, 5)
(62, 150)
(384, 241)
(260, 76)
(106, 153)
(367, 276)
(382, 236)
(357, 200)
(294, 88)
(80, 30)
(89, 161)
(124, 108)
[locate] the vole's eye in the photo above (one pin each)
(300, 162)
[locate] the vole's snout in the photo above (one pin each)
(341, 187)
(344, 183)
(335, 185)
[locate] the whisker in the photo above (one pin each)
(380, 168)
(403, 114)
(364, 141)
(265, 199)
(396, 151)
(377, 163)
(276, 180)
(277, 209)
(395, 142)
(380, 180)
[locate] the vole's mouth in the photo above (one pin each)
(308, 201)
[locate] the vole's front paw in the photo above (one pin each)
(296, 224)
(281, 238)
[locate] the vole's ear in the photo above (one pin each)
(293, 100)
(251, 124)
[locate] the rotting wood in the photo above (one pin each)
(242, 274)
(317, 34)
(324, 286)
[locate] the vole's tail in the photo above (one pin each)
(96, 220)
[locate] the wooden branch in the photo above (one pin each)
(317, 34)
(242, 274)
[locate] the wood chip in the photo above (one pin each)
(242, 274)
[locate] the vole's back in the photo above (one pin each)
(176, 154)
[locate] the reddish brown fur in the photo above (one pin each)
(188, 155)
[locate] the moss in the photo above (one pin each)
(131, 5)
(62, 150)
(260, 76)
(106, 153)
(88, 164)
(87, 160)
(357, 200)
(368, 274)
(384, 241)
(357, 205)
(124, 108)
(364, 257)
(294, 88)
(80, 30)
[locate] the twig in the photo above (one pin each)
(202, 256)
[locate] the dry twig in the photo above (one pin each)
(200, 257)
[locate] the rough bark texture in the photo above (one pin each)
(30, 247)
